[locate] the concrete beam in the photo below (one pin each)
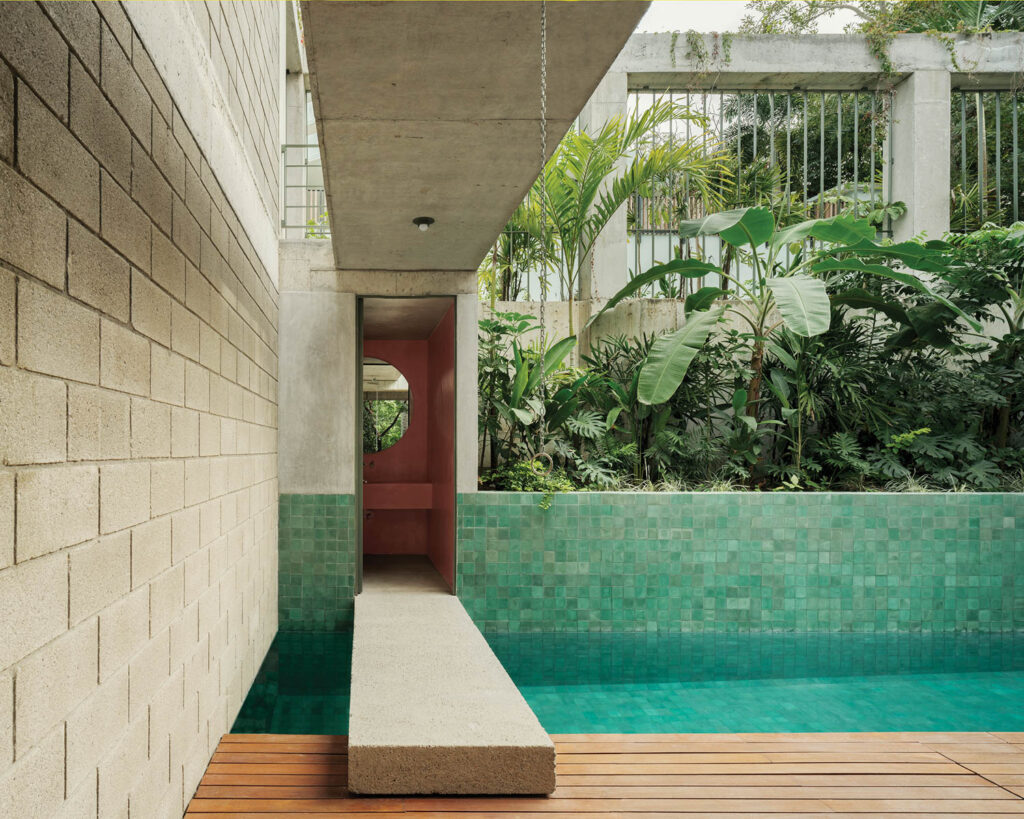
(433, 109)
(432, 709)
(821, 62)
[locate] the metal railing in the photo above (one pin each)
(304, 201)
(987, 168)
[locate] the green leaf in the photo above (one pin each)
(739, 400)
(670, 357)
(860, 299)
(687, 268)
(830, 265)
(613, 416)
(521, 379)
(926, 258)
(803, 303)
(556, 354)
(559, 416)
(703, 299)
(752, 226)
(837, 229)
(524, 416)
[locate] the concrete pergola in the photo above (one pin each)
(923, 79)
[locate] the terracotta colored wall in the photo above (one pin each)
(441, 444)
(401, 531)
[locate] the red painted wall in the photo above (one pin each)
(392, 531)
(441, 446)
(425, 454)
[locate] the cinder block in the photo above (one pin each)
(165, 597)
(81, 802)
(184, 433)
(186, 232)
(209, 435)
(151, 783)
(7, 519)
(96, 725)
(96, 274)
(197, 481)
(99, 573)
(6, 724)
(167, 487)
(197, 575)
(124, 496)
(151, 309)
(56, 509)
(118, 769)
(32, 228)
(209, 531)
(151, 78)
(33, 418)
(8, 285)
(184, 533)
(196, 198)
(147, 671)
(125, 89)
(197, 387)
(219, 399)
(168, 266)
(124, 628)
(119, 24)
(167, 371)
(185, 331)
(97, 124)
(51, 157)
(209, 348)
(31, 44)
(151, 429)
(150, 189)
(6, 114)
(80, 24)
(33, 606)
(167, 154)
(34, 786)
(98, 424)
(151, 550)
(125, 357)
(123, 223)
(55, 335)
(51, 682)
(198, 292)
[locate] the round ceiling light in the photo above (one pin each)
(423, 222)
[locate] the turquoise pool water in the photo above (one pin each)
(638, 683)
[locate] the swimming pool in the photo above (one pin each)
(701, 683)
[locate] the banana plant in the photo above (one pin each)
(787, 286)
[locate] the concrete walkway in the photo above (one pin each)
(432, 709)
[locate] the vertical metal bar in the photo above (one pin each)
(754, 154)
(874, 149)
(789, 147)
(806, 193)
(889, 126)
(979, 116)
(999, 153)
(739, 148)
(963, 154)
(821, 161)
(856, 146)
(1016, 161)
(839, 147)
(771, 128)
(721, 139)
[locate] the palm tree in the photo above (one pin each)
(590, 177)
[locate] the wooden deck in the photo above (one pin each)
(262, 776)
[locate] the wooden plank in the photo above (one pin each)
(773, 767)
(926, 806)
(317, 739)
(457, 806)
(265, 758)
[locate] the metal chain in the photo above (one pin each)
(540, 454)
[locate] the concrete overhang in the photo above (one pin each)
(819, 62)
(433, 109)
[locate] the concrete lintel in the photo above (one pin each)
(813, 62)
(432, 709)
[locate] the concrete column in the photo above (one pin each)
(295, 134)
(921, 151)
(605, 272)
(317, 401)
(466, 307)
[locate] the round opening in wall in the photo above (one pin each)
(387, 405)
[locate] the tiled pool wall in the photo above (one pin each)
(316, 562)
(603, 561)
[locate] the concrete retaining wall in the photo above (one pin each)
(138, 395)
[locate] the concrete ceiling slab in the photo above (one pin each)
(432, 109)
(403, 319)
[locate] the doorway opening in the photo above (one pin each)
(407, 430)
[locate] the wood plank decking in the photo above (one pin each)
(261, 776)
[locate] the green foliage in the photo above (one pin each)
(528, 476)
(902, 385)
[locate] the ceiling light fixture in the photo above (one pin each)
(423, 222)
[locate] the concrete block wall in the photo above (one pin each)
(138, 416)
